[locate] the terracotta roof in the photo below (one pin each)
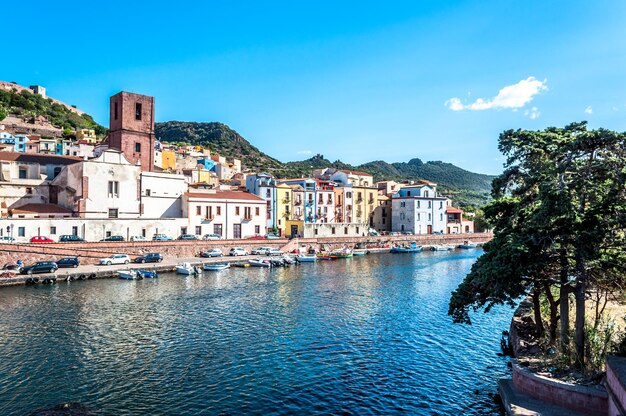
(40, 209)
(244, 196)
(452, 210)
(39, 158)
(355, 172)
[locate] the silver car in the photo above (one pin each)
(116, 259)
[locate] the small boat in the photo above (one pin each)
(129, 275)
(325, 256)
(468, 245)
(147, 274)
(344, 253)
(359, 252)
(288, 260)
(304, 258)
(442, 248)
(260, 263)
(240, 264)
(187, 269)
(215, 267)
(411, 248)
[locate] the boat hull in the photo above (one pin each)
(215, 267)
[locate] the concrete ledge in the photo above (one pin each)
(518, 404)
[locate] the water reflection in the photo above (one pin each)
(364, 336)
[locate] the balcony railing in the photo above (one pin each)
(370, 202)
(286, 200)
(359, 200)
(247, 218)
(209, 218)
(298, 202)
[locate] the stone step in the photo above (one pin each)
(519, 404)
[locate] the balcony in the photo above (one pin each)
(208, 218)
(370, 202)
(247, 218)
(287, 214)
(359, 200)
(298, 202)
(286, 201)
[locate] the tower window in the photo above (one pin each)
(115, 110)
(137, 147)
(137, 111)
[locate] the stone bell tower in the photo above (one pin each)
(131, 128)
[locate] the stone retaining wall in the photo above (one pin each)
(90, 252)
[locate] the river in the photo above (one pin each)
(359, 336)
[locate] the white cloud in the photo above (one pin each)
(304, 152)
(533, 113)
(588, 110)
(512, 96)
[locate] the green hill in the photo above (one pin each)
(464, 187)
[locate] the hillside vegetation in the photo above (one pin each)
(464, 187)
(31, 107)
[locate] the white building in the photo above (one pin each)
(416, 209)
(231, 214)
(161, 195)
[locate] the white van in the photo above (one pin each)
(138, 238)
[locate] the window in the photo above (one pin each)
(357, 230)
(57, 170)
(137, 111)
(332, 230)
(402, 204)
(22, 173)
(115, 111)
(316, 231)
(198, 230)
(21, 231)
(143, 232)
(236, 210)
(256, 211)
(217, 229)
(113, 212)
(418, 216)
(268, 193)
(209, 212)
(53, 230)
(429, 217)
(74, 230)
(148, 192)
(440, 204)
(29, 190)
(257, 229)
(236, 230)
(426, 194)
(408, 193)
(198, 210)
(113, 189)
(440, 217)
(345, 230)
(183, 230)
(348, 194)
(383, 221)
(218, 210)
(429, 204)
(418, 204)
(137, 147)
(247, 212)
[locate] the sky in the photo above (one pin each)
(355, 81)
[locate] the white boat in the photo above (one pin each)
(468, 245)
(288, 259)
(186, 269)
(306, 258)
(128, 275)
(442, 248)
(215, 267)
(260, 263)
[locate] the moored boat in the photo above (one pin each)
(187, 269)
(147, 274)
(344, 253)
(442, 248)
(411, 248)
(240, 264)
(215, 267)
(128, 275)
(468, 244)
(306, 258)
(359, 252)
(260, 263)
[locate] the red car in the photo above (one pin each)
(255, 237)
(41, 239)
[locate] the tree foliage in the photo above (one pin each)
(559, 213)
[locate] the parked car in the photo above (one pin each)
(149, 258)
(261, 250)
(161, 237)
(7, 239)
(238, 251)
(40, 267)
(214, 252)
(138, 238)
(115, 259)
(255, 237)
(113, 238)
(212, 237)
(68, 262)
(14, 267)
(187, 237)
(274, 252)
(271, 236)
(438, 232)
(70, 239)
(41, 239)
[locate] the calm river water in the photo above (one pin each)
(360, 336)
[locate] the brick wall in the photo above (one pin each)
(587, 400)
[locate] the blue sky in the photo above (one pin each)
(356, 81)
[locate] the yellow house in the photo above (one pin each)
(168, 160)
(365, 201)
(294, 217)
(86, 134)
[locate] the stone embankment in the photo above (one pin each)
(176, 251)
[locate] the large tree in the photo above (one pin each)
(559, 214)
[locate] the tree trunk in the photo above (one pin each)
(537, 311)
(564, 291)
(554, 314)
(579, 337)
